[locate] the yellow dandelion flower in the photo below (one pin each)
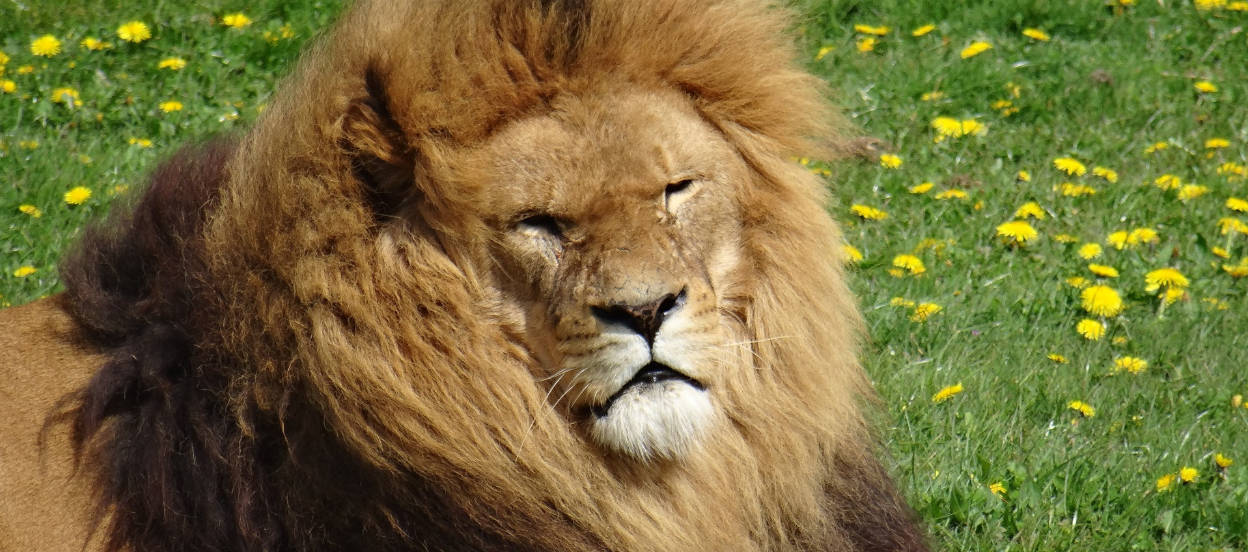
(1023, 176)
(1217, 143)
(1070, 165)
(901, 302)
(1205, 87)
(852, 254)
(141, 142)
(975, 48)
(867, 212)
(1237, 6)
(1092, 330)
(1165, 482)
(172, 63)
(1077, 282)
(1171, 296)
(1110, 175)
(822, 52)
(1036, 34)
(1219, 252)
(910, 263)
(1066, 238)
(923, 311)
(1143, 235)
(67, 96)
(25, 70)
(921, 188)
(1165, 277)
(134, 31)
(92, 43)
(1206, 5)
(866, 44)
(7, 86)
(1188, 474)
(947, 393)
(951, 194)
(890, 161)
(235, 20)
(1222, 462)
(31, 210)
(1168, 182)
(1090, 250)
(1030, 209)
(997, 488)
(1070, 189)
(24, 271)
(1156, 147)
(1058, 358)
(1082, 408)
(46, 46)
(1191, 191)
(1237, 271)
(1120, 340)
(1237, 204)
(1017, 232)
(171, 106)
(77, 195)
(872, 29)
(4, 58)
(1227, 225)
(923, 30)
(1101, 300)
(1130, 364)
(1103, 271)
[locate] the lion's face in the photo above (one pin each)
(616, 230)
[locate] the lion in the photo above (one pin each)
(488, 275)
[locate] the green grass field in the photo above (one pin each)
(1009, 429)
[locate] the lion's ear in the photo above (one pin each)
(380, 157)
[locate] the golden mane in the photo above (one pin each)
(348, 386)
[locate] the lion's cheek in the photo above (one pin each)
(661, 420)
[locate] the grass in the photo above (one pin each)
(1111, 82)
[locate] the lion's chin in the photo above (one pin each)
(666, 419)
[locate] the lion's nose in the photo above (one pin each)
(645, 319)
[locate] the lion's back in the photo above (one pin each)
(46, 504)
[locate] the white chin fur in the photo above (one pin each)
(655, 420)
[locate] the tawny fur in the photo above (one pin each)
(310, 355)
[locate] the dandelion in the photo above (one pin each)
(1219, 252)
(923, 311)
(1090, 251)
(1156, 147)
(1029, 209)
(1091, 330)
(1066, 238)
(171, 106)
(909, 263)
(1222, 461)
(172, 63)
(1165, 277)
(1101, 300)
(1083, 408)
(947, 393)
(932, 96)
(867, 212)
(1238, 6)
(141, 142)
(872, 30)
(7, 86)
(77, 195)
(24, 271)
(1205, 87)
(134, 31)
(901, 302)
(1017, 232)
(1058, 358)
(1205, 5)
(1069, 189)
(818, 56)
(921, 188)
(1192, 191)
(4, 59)
(1171, 296)
(975, 48)
(1023, 176)
(1227, 225)
(1188, 474)
(45, 46)
(1143, 235)
(1103, 271)
(67, 96)
(948, 127)
(890, 161)
(31, 210)
(1231, 169)
(953, 193)
(93, 44)
(997, 488)
(923, 30)
(1216, 143)
(852, 254)
(1110, 175)
(1036, 34)
(1130, 364)
(866, 44)
(1237, 204)
(1237, 271)
(235, 20)
(1070, 165)
(1165, 482)
(1077, 282)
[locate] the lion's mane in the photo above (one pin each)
(302, 353)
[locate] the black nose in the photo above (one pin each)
(644, 319)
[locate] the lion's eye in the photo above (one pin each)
(677, 192)
(541, 225)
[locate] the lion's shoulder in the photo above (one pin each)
(44, 360)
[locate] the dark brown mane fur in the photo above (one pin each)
(291, 323)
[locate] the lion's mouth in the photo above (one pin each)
(650, 374)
